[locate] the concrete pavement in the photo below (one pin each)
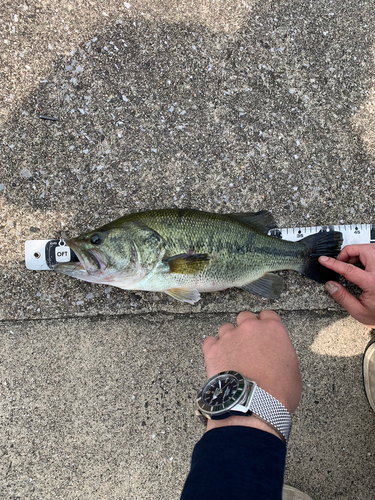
(103, 407)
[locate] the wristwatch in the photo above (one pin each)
(230, 393)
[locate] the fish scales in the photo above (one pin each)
(182, 252)
(231, 249)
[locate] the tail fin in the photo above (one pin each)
(324, 243)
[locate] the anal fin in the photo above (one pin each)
(184, 294)
(268, 286)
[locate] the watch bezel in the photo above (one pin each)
(222, 407)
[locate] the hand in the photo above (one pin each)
(363, 308)
(259, 348)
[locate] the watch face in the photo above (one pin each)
(221, 392)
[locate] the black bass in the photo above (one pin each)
(183, 252)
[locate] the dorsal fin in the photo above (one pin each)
(261, 221)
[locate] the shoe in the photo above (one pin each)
(368, 371)
(290, 493)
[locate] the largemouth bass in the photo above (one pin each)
(183, 252)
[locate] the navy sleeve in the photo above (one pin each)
(236, 462)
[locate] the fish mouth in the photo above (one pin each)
(96, 260)
(90, 261)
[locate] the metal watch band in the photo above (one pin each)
(271, 411)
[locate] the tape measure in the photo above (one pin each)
(353, 234)
(42, 255)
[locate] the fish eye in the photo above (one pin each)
(96, 239)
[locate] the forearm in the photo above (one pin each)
(236, 462)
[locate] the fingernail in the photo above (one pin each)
(323, 258)
(331, 287)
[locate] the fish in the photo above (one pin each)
(183, 252)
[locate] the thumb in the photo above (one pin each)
(345, 298)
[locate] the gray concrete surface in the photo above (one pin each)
(102, 407)
(222, 106)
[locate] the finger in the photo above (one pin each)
(227, 327)
(243, 316)
(346, 299)
(268, 314)
(350, 272)
(207, 344)
(355, 253)
(352, 260)
(345, 258)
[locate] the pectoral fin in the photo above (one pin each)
(268, 286)
(184, 294)
(188, 264)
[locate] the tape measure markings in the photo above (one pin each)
(42, 255)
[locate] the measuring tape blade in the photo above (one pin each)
(353, 234)
(42, 255)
